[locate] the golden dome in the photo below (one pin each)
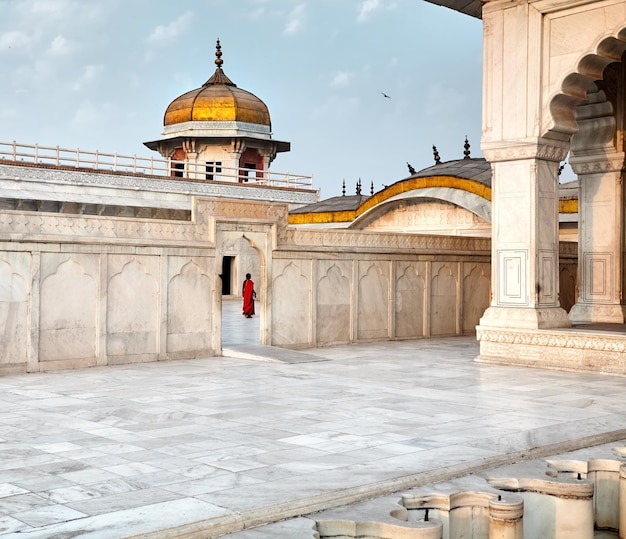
(217, 100)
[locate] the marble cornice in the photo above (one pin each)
(206, 128)
(513, 151)
(597, 164)
(348, 240)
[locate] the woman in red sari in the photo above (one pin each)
(249, 295)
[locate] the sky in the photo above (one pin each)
(99, 75)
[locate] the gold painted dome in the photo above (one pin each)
(217, 100)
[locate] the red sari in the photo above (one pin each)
(248, 294)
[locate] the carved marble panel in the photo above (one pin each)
(69, 300)
(333, 302)
(14, 297)
(410, 295)
(291, 303)
(443, 299)
(373, 300)
(476, 294)
(189, 304)
(133, 300)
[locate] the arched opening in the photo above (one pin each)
(178, 166)
(250, 166)
(240, 257)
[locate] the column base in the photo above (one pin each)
(582, 313)
(525, 318)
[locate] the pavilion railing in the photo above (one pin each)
(113, 162)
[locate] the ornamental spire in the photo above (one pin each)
(219, 77)
(466, 153)
(218, 55)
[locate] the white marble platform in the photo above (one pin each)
(206, 447)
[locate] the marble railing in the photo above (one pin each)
(571, 499)
(14, 152)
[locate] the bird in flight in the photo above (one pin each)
(385, 95)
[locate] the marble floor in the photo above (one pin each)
(212, 446)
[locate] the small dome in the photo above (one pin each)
(217, 100)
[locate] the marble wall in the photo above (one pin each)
(82, 291)
(342, 286)
(76, 308)
(351, 298)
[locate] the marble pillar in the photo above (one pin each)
(600, 224)
(525, 241)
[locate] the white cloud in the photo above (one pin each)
(168, 33)
(59, 46)
(14, 40)
(90, 73)
(341, 79)
(295, 20)
(369, 7)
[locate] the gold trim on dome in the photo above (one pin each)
(411, 184)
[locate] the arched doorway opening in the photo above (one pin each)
(239, 257)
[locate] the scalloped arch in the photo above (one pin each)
(575, 85)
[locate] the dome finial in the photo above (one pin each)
(466, 153)
(436, 155)
(218, 55)
(219, 77)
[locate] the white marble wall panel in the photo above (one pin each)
(189, 304)
(476, 294)
(373, 300)
(411, 305)
(443, 299)
(14, 299)
(431, 217)
(68, 311)
(291, 303)
(133, 324)
(333, 317)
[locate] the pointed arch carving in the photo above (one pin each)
(373, 301)
(69, 305)
(443, 300)
(133, 330)
(291, 306)
(189, 306)
(410, 294)
(333, 305)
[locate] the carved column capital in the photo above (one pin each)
(597, 163)
(547, 150)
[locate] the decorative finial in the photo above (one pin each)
(343, 189)
(436, 155)
(218, 55)
(219, 77)
(358, 187)
(372, 188)
(466, 153)
(411, 169)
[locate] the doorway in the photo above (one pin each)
(239, 258)
(228, 267)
